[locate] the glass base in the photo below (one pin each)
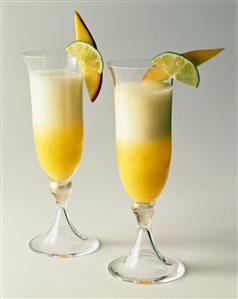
(63, 240)
(66, 245)
(150, 269)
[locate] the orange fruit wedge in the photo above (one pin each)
(196, 56)
(92, 78)
(155, 74)
(81, 30)
(200, 56)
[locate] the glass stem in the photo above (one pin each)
(145, 243)
(61, 192)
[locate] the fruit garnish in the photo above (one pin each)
(81, 30)
(92, 78)
(200, 56)
(155, 74)
(86, 55)
(177, 67)
(196, 56)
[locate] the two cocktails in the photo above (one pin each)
(143, 107)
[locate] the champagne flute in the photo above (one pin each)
(143, 150)
(57, 115)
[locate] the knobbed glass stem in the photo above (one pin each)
(145, 239)
(145, 264)
(63, 239)
(144, 214)
(61, 191)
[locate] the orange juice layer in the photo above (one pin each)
(59, 150)
(143, 167)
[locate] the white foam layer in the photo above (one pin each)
(56, 97)
(143, 110)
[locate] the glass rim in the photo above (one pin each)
(130, 63)
(47, 54)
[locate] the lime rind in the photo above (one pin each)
(177, 67)
(86, 54)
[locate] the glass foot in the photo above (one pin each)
(63, 240)
(145, 264)
(65, 245)
(147, 270)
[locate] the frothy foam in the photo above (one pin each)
(56, 98)
(143, 110)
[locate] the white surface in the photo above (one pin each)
(196, 215)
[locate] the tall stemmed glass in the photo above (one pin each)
(143, 149)
(57, 114)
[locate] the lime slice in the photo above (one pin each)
(177, 67)
(86, 55)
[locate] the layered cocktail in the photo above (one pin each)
(57, 108)
(143, 137)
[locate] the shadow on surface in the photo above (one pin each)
(220, 239)
(117, 242)
(211, 268)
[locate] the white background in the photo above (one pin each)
(196, 213)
